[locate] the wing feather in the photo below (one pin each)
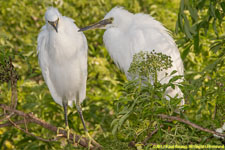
(43, 62)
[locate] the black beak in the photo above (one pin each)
(54, 24)
(97, 25)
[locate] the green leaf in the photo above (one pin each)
(182, 5)
(218, 15)
(186, 51)
(114, 122)
(175, 78)
(194, 13)
(187, 27)
(196, 44)
(173, 72)
(212, 10)
(214, 26)
(216, 47)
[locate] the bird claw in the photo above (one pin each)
(68, 132)
(91, 141)
(58, 131)
(89, 138)
(67, 129)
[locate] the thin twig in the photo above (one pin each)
(214, 114)
(191, 124)
(6, 117)
(25, 123)
(13, 81)
(37, 137)
(7, 124)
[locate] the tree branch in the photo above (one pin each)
(191, 124)
(7, 124)
(37, 137)
(30, 118)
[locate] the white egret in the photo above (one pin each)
(62, 55)
(127, 33)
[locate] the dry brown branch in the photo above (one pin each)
(191, 124)
(37, 137)
(6, 116)
(30, 118)
(7, 124)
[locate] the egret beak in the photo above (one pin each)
(97, 25)
(54, 24)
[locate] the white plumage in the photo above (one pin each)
(127, 34)
(62, 57)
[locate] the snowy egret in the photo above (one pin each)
(127, 33)
(62, 55)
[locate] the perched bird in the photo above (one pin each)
(62, 55)
(127, 33)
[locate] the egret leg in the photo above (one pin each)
(90, 139)
(65, 106)
(79, 109)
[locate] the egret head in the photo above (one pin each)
(117, 17)
(52, 17)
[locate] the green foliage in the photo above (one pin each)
(140, 96)
(202, 23)
(196, 18)
(20, 23)
(141, 103)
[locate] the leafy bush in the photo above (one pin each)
(142, 102)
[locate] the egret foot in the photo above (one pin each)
(58, 133)
(68, 132)
(89, 138)
(67, 129)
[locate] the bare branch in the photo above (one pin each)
(6, 116)
(7, 124)
(191, 124)
(37, 137)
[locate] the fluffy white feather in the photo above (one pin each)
(62, 57)
(130, 33)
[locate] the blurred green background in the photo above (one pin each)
(20, 23)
